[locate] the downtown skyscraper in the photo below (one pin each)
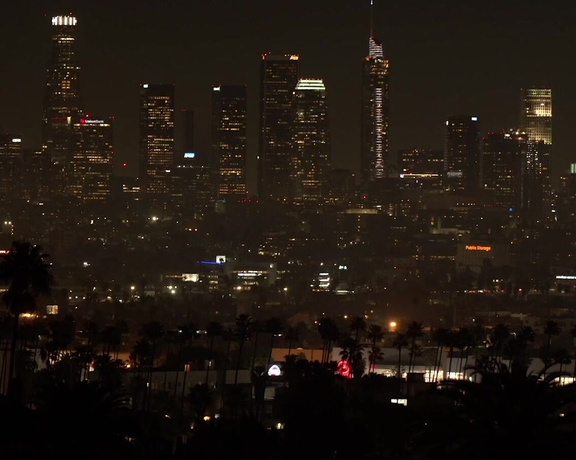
(229, 124)
(462, 154)
(311, 158)
(62, 102)
(375, 111)
(156, 142)
(11, 166)
(503, 155)
(92, 152)
(279, 74)
(536, 121)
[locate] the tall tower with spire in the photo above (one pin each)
(62, 102)
(375, 102)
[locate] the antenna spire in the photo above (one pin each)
(371, 18)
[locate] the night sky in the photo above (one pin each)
(446, 57)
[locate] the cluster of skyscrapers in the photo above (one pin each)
(510, 168)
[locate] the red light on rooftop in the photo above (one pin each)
(125, 165)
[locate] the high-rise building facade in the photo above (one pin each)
(566, 200)
(536, 121)
(421, 160)
(92, 154)
(310, 160)
(62, 101)
(189, 139)
(35, 180)
(503, 156)
(279, 74)
(11, 167)
(156, 141)
(229, 124)
(421, 168)
(375, 111)
(462, 156)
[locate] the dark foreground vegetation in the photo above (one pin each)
(85, 402)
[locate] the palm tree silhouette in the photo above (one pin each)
(375, 334)
(242, 333)
(551, 328)
(213, 329)
(439, 335)
(28, 276)
(357, 326)
(400, 342)
(413, 332)
(292, 335)
(274, 327)
(329, 334)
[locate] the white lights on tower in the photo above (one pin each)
(64, 21)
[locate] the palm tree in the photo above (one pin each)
(61, 333)
(213, 329)
(91, 332)
(5, 335)
(255, 328)
(357, 326)
(551, 328)
(83, 357)
(170, 337)
(451, 340)
(413, 332)
(464, 341)
(108, 370)
(375, 334)
(573, 334)
(28, 276)
(153, 332)
(439, 335)
(292, 335)
(181, 338)
(525, 414)
(275, 327)
(242, 333)
(518, 347)
(562, 357)
(329, 334)
(111, 337)
(142, 356)
(351, 350)
(400, 342)
(499, 335)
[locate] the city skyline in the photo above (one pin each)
(444, 61)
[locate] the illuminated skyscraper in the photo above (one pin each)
(503, 155)
(310, 162)
(229, 139)
(62, 102)
(462, 154)
(92, 152)
(536, 121)
(278, 78)
(11, 167)
(375, 109)
(156, 141)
